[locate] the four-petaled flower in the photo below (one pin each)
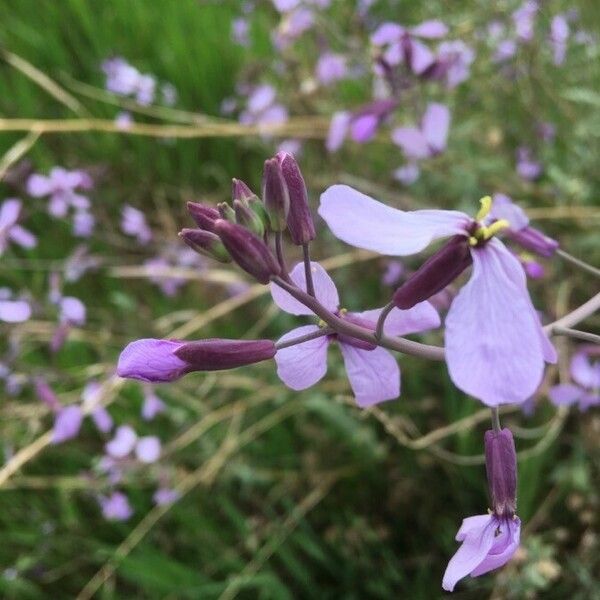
(586, 376)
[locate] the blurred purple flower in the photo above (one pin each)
(505, 50)
(124, 119)
(292, 26)
(91, 398)
(115, 507)
(152, 405)
(13, 311)
(67, 424)
(546, 131)
(495, 345)
(133, 223)
(262, 108)
(10, 230)
(559, 35)
(172, 256)
(164, 496)
(585, 373)
(394, 271)
(373, 371)
(240, 30)
(79, 262)
(524, 20)
(452, 63)
(147, 449)
(331, 68)
(123, 442)
(124, 79)
(407, 174)
(528, 167)
(60, 186)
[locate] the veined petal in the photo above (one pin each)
(412, 141)
(361, 221)
(152, 360)
(302, 365)
(374, 374)
(477, 541)
(435, 125)
(494, 349)
(505, 545)
(325, 290)
(420, 317)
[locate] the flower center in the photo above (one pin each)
(480, 232)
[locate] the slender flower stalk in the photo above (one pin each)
(310, 286)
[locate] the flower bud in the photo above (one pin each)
(275, 194)
(246, 217)
(299, 221)
(204, 215)
(219, 354)
(438, 271)
(240, 191)
(534, 240)
(248, 251)
(501, 467)
(206, 243)
(226, 212)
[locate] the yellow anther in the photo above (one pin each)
(486, 206)
(321, 324)
(494, 228)
(473, 241)
(343, 311)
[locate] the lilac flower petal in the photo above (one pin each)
(494, 348)
(366, 223)
(305, 364)
(19, 235)
(152, 406)
(364, 128)
(436, 122)
(374, 374)
(72, 310)
(504, 208)
(565, 394)
(505, 545)
(588, 400)
(39, 185)
(102, 419)
(420, 317)
(338, 129)
(325, 290)
(430, 29)
(421, 57)
(14, 311)
(164, 496)
(116, 507)
(67, 424)
(585, 373)
(151, 360)
(386, 33)
(412, 141)
(477, 537)
(9, 212)
(122, 443)
(407, 174)
(147, 450)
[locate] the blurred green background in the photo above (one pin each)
(288, 495)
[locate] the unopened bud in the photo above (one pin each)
(275, 194)
(240, 191)
(246, 217)
(218, 354)
(248, 251)
(226, 212)
(534, 240)
(206, 243)
(204, 215)
(501, 467)
(299, 221)
(438, 271)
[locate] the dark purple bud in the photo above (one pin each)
(534, 240)
(275, 194)
(218, 354)
(226, 212)
(248, 251)
(206, 243)
(438, 271)
(299, 221)
(501, 467)
(240, 191)
(204, 215)
(245, 216)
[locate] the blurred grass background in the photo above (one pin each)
(288, 495)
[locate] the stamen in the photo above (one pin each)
(494, 228)
(343, 311)
(321, 324)
(486, 206)
(473, 241)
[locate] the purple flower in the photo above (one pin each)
(10, 231)
(586, 376)
(79, 263)
(165, 495)
(559, 34)
(124, 79)
(452, 63)
(373, 372)
(495, 345)
(292, 26)
(124, 120)
(152, 405)
(488, 542)
(147, 449)
(262, 108)
(13, 311)
(524, 20)
(331, 68)
(83, 223)
(91, 398)
(122, 443)
(67, 424)
(407, 174)
(240, 30)
(505, 49)
(115, 507)
(429, 138)
(60, 186)
(528, 167)
(133, 223)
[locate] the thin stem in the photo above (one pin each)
(304, 338)
(576, 316)
(343, 326)
(310, 287)
(578, 335)
(496, 419)
(578, 262)
(387, 309)
(279, 251)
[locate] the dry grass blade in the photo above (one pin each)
(17, 152)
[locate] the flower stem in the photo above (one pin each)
(304, 338)
(344, 326)
(576, 316)
(496, 419)
(578, 335)
(279, 252)
(387, 309)
(579, 263)
(310, 287)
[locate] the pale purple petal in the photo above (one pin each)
(338, 129)
(364, 128)
(374, 374)
(477, 536)
(407, 174)
(503, 549)
(565, 394)
(325, 290)
(504, 208)
(123, 443)
(588, 400)
(412, 141)
(9, 212)
(421, 317)
(14, 311)
(147, 450)
(72, 310)
(151, 360)
(66, 424)
(386, 33)
(366, 223)
(164, 496)
(152, 406)
(39, 185)
(584, 372)
(102, 419)
(435, 125)
(494, 348)
(430, 29)
(302, 365)
(116, 507)
(19, 235)
(421, 57)
(58, 206)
